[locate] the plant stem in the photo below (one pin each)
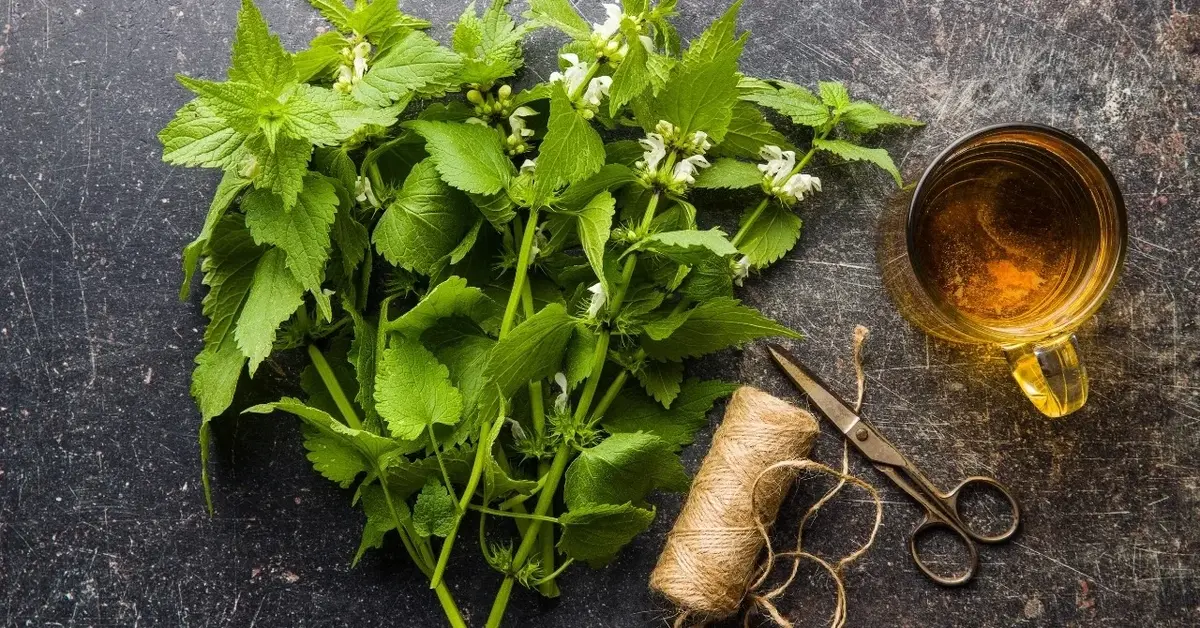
(557, 466)
(599, 357)
(334, 388)
(745, 228)
(514, 515)
(514, 297)
(551, 577)
(609, 396)
(448, 605)
(538, 411)
(485, 436)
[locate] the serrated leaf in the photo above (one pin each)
(687, 247)
(709, 278)
(361, 357)
(258, 56)
(623, 468)
(772, 235)
(281, 170)
(532, 351)
(274, 296)
(863, 117)
(451, 298)
(580, 352)
(462, 347)
(748, 133)
(795, 102)
(435, 511)
(333, 458)
(372, 447)
(717, 39)
(633, 75)
(417, 65)
(352, 240)
(326, 117)
(595, 533)
(228, 189)
(499, 209)
(853, 152)
(714, 325)
(729, 174)
(661, 379)
(833, 94)
(237, 103)
(561, 15)
(413, 390)
(594, 223)
(335, 11)
(634, 412)
(490, 45)
(322, 57)
(197, 136)
(609, 179)
(572, 150)
(468, 156)
(424, 224)
(701, 92)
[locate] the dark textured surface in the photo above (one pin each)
(101, 520)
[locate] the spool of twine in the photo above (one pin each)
(710, 556)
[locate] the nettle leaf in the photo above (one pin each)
(853, 152)
(281, 170)
(425, 223)
(687, 247)
(595, 533)
(237, 103)
(610, 178)
(623, 468)
(274, 296)
(413, 390)
(633, 76)
(572, 150)
(333, 458)
(462, 347)
(714, 325)
(772, 235)
(435, 512)
(490, 45)
(322, 57)
(335, 11)
(748, 133)
(381, 21)
(730, 174)
(633, 412)
(380, 519)
(228, 189)
(580, 352)
(371, 447)
(406, 477)
(199, 137)
(258, 56)
(361, 357)
(451, 298)
(795, 102)
(833, 94)
(303, 233)
(325, 117)
(864, 117)
(469, 156)
(561, 15)
(718, 39)
(532, 351)
(594, 223)
(417, 65)
(661, 379)
(702, 90)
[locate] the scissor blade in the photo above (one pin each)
(833, 408)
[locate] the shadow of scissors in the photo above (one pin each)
(941, 509)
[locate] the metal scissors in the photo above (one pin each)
(941, 509)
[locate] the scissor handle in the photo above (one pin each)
(934, 521)
(951, 501)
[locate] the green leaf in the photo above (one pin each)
(714, 325)
(381, 21)
(853, 152)
(322, 57)
(709, 278)
(361, 356)
(333, 458)
(623, 468)
(632, 77)
(863, 117)
(610, 178)
(496, 479)
(352, 240)
(730, 174)
(325, 117)
(532, 351)
(594, 223)
(237, 103)
(335, 11)
(199, 137)
(228, 189)
(748, 133)
(572, 150)
(371, 447)
(561, 15)
(580, 352)
(701, 92)
(717, 39)
(595, 533)
(499, 209)
(380, 520)
(661, 379)
(834, 94)
(462, 347)
(435, 512)
(303, 233)
(258, 56)
(469, 156)
(795, 102)
(282, 170)
(274, 296)
(771, 236)
(634, 412)
(407, 477)
(417, 65)
(490, 45)
(687, 247)
(451, 298)
(413, 390)
(425, 223)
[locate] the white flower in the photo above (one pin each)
(364, 192)
(741, 270)
(529, 166)
(571, 78)
(685, 170)
(612, 25)
(655, 151)
(647, 43)
(665, 128)
(598, 300)
(564, 396)
(779, 164)
(700, 143)
(517, 121)
(597, 89)
(800, 185)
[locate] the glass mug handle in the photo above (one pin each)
(1050, 373)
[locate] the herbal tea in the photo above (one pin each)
(1001, 233)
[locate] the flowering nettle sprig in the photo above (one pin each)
(608, 39)
(781, 179)
(575, 76)
(670, 161)
(353, 67)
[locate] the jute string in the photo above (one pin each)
(709, 566)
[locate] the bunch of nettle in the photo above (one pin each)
(495, 300)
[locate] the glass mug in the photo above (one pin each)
(1013, 237)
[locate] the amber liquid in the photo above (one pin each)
(1005, 234)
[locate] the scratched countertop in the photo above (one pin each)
(101, 517)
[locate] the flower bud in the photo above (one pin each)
(505, 92)
(475, 97)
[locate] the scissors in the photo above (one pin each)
(941, 509)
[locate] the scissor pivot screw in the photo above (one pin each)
(862, 434)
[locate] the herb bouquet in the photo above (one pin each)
(495, 300)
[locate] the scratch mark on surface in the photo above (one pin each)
(1066, 566)
(25, 289)
(87, 330)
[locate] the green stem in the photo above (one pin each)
(538, 411)
(599, 357)
(745, 228)
(545, 500)
(485, 434)
(514, 297)
(551, 577)
(610, 395)
(450, 608)
(514, 515)
(334, 388)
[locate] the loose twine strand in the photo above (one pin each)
(765, 601)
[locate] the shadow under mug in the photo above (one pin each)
(1076, 195)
